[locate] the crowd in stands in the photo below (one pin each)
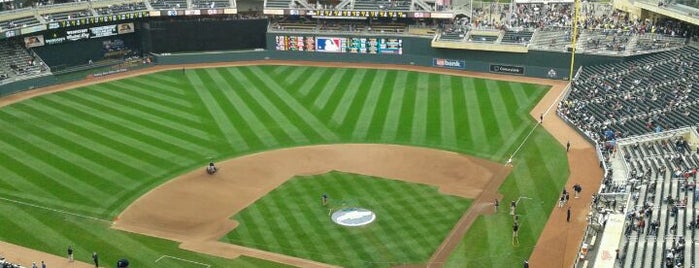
(7, 264)
(645, 96)
(365, 26)
(121, 8)
(601, 28)
(642, 96)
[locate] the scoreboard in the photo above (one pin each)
(354, 45)
(375, 46)
(296, 43)
(362, 14)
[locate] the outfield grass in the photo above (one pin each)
(540, 173)
(92, 151)
(412, 220)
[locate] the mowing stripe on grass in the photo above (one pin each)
(101, 142)
(16, 184)
(309, 80)
(473, 113)
(407, 112)
(149, 114)
(153, 91)
(235, 141)
(418, 132)
(113, 113)
(116, 127)
(328, 86)
(297, 107)
(499, 109)
(81, 188)
(446, 112)
(361, 126)
(341, 110)
(288, 127)
(295, 74)
(118, 95)
(174, 78)
(488, 119)
(390, 129)
(53, 210)
(66, 153)
(242, 108)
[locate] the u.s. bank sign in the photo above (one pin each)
(447, 63)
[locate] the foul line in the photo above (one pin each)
(543, 115)
(53, 210)
(184, 260)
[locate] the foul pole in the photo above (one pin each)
(573, 42)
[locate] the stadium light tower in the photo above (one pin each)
(576, 13)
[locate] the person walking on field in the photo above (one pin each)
(95, 259)
(568, 146)
(497, 204)
(70, 253)
(568, 215)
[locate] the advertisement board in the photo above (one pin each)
(449, 63)
(331, 44)
(61, 36)
(507, 69)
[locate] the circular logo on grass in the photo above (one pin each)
(353, 217)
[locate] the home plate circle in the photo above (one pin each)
(353, 217)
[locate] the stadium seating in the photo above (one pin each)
(17, 63)
(642, 96)
(67, 15)
(211, 3)
(121, 8)
(168, 4)
(517, 37)
(660, 218)
(20, 23)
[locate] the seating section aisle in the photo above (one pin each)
(661, 220)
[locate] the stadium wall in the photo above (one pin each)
(227, 40)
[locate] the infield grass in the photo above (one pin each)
(94, 150)
(412, 220)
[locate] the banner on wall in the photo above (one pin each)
(507, 69)
(448, 63)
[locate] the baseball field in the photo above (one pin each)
(86, 157)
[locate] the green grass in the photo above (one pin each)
(412, 220)
(94, 150)
(540, 173)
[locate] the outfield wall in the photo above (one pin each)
(168, 37)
